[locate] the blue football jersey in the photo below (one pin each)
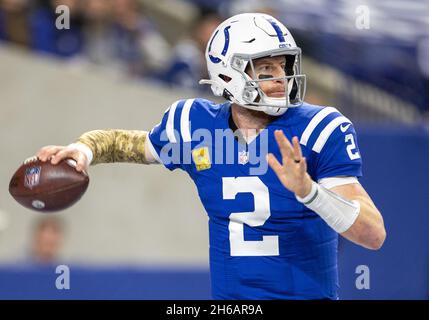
(264, 244)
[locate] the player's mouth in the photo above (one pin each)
(277, 94)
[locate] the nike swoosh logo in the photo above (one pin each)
(344, 128)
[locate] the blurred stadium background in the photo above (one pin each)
(141, 232)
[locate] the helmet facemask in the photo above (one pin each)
(253, 96)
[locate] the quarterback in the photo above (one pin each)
(273, 232)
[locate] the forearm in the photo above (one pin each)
(115, 145)
(368, 229)
(348, 210)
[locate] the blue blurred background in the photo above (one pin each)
(122, 62)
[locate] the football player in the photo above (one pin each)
(274, 233)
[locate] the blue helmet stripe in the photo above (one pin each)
(278, 30)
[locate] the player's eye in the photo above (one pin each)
(265, 68)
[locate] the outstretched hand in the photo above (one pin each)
(55, 154)
(292, 172)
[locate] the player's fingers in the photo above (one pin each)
(63, 154)
(296, 149)
(48, 148)
(41, 153)
(274, 164)
(46, 152)
(284, 145)
(42, 150)
(303, 166)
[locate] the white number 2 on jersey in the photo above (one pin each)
(269, 245)
(353, 154)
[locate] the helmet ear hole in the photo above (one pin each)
(225, 78)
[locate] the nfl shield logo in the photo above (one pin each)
(32, 177)
(243, 157)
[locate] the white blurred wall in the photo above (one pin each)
(130, 213)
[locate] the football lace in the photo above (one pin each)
(31, 159)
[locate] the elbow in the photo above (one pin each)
(377, 240)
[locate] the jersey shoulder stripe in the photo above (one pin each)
(321, 127)
(181, 114)
(178, 120)
(315, 121)
(197, 114)
(185, 129)
(169, 127)
(327, 131)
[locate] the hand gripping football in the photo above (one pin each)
(45, 187)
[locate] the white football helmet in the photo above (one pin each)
(234, 45)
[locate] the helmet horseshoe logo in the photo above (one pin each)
(225, 46)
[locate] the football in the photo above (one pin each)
(45, 187)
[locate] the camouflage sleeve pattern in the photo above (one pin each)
(115, 145)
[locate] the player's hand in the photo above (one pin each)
(292, 172)
(57, 153)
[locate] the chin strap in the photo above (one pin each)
(274, 111)
(276, 102)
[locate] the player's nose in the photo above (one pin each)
(279, 75)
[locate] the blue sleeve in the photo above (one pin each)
(170, 138)
(339, 155)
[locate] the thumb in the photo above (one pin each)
(81, 162)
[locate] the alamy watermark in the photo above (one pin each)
(362, 17)
(63, 20)
(363, 280)
(220, 146)
(62, 282)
